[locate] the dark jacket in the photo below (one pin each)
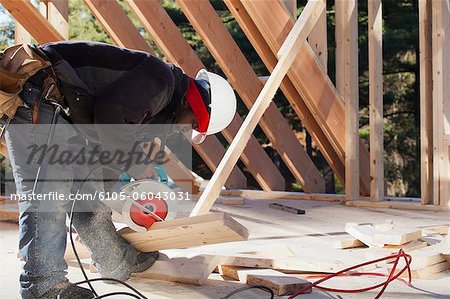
(104, 84)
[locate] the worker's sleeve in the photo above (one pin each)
(119, 111)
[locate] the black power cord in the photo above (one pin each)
(87, 279)
(261, 287)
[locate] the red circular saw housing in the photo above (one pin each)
(154, 204)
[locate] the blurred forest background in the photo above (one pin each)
(401, 83)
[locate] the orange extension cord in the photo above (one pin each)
(390, 277)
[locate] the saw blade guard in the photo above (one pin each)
(153, 195)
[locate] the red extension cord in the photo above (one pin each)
(392, 276)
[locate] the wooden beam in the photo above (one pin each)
(340, 23)
(194, 270)
(333, 158)
(351, 98)
(211, 228)
(309, 79)
(112, 17)
(291, 7)
(441, 96)
(294, 41)
(241, 75)
(58, 16)
(318, 39)
(21, 35)
(29, 17)
(426, 101)
(376, 99)
(117, 24)
(170, 40)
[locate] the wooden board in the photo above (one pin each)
(309, 78)
(334, 158)
(239, 72)
(364, 233)
(427, 272)
(293, 43)
(30, 18)
(376, 100)
(193, 270)
(281, 284)
(397, 236)
(347, 243)
(187, 232)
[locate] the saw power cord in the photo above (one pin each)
(391, 276)
(89, 280)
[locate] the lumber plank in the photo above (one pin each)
(318, 39)
(58, 16)
(436, 230)
(281, 284)
(21, 35)
(426, 101)
(294, 40)
(170, 40)
(398, 236)
(309, 78)
(427, 272)
(334, 159)
(376, 100)
(347, 243)
(364, 233)
(351, 98)
(114, 20)
(205, 229)
(230, 58)
(269, 195)
(194, 270)
(117, 24)
(29, 17)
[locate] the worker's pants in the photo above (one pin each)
(42, 224)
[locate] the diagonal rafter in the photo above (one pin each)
(294, 43)
(31, 19)
(222, 46)
(310, 80)
(168, 38)
(119, 26)
(333, 158)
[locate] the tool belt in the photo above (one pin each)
(19, 64)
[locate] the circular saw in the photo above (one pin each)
(147, 201)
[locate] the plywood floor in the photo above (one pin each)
(270, 230)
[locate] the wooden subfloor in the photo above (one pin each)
(275, 231)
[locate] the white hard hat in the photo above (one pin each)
(223, 105)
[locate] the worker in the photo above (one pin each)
(100, 86)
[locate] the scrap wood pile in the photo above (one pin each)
(429, 248)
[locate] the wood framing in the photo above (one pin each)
(211, 228)
(351, 96)
(117, 24)
(112, 17)
(309, 79)
(376, 100)
(170, 40)
(58, 16)
(29, 17)
(291, 7)
(426, 101)
(21, 35)
(294, 41)
(239, 72)
(318, 39)
(441, 98)
(334, 159)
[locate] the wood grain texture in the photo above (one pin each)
(210, 228)
(294, 41)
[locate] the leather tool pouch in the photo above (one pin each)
(17, 64)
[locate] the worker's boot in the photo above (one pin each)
(134, 262)
(66, 290)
